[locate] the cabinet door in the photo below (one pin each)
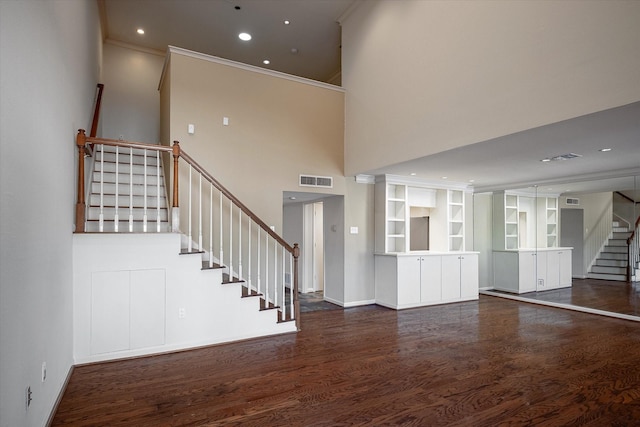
(565, 267)
(450, 277)
(431, 279)
(553, 270)
(409, 280)
(527, 272)
(469, 276)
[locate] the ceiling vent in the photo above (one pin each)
(573, 202)
(566, 156)
(316, 181)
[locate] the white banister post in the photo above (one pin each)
(101, 216)
(144, 216)
(284, 286)
(115, 216)
(239, 243)
(130, 190)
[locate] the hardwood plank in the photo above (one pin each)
(483, 363)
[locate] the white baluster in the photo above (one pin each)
(130, 190)
(144, 215)
(230, 240)
(275, 272)
(259, 284)
(284, 287)
(240, 244)
(221, 233)
(266, 269)
(190, 246)
(291, 289)
(210, 225)
(158, 227)
(115, 216)
(200, 214)
(101, 215)
(249, 255)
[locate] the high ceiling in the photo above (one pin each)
(309, 46)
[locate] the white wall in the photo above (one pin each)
(49, 66)
(423, 77)
(334, 245)
(131, 100)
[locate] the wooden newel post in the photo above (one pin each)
(175, 209)
(294, 291)
(81, 142)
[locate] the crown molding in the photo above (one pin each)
(252, 68)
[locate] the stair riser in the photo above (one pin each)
(611, 263)
(125, 178)
(616, 249)
(136, 151)
(123, 227)
(616, 277)
(123, 214)
(125, 169)
(612, 255)
(138, 190)
(123, 201)
(622, 236)
(608, 270)
(617, 242)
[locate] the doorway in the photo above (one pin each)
(313, 245)
(571, 235)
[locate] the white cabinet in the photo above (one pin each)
(406, 280)
(391, 218)
(532, 270)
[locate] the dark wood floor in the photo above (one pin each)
(605, 295)
(490, 362)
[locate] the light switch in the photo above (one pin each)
(191, 129)
(354, 230)
(225, 121)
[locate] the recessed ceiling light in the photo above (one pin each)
(287, 22)
(545, 160)
(472, 180)
(444, 177)
(292, 197)
(604, 150)
(294, 50)
(413, 174)
(140, 31)
(266, 62)
(244, 36)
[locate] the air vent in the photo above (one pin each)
(574, 202)
(316, 181)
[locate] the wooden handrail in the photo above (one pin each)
(96, 112)
(237, 202)
(633, 233)
(128, 144)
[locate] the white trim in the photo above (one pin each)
(619, 173)
(359, 303)
(134, 47)
(412, 180)
(563, 306)
(365, 179)
(252, 68)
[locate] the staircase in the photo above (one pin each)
(612, 262)
(142, 289)
(128, 194)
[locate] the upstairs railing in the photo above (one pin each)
(215, 222)
(633, 244)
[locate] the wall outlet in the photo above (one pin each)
(182, 313)
(540, 282)
(44, 371)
